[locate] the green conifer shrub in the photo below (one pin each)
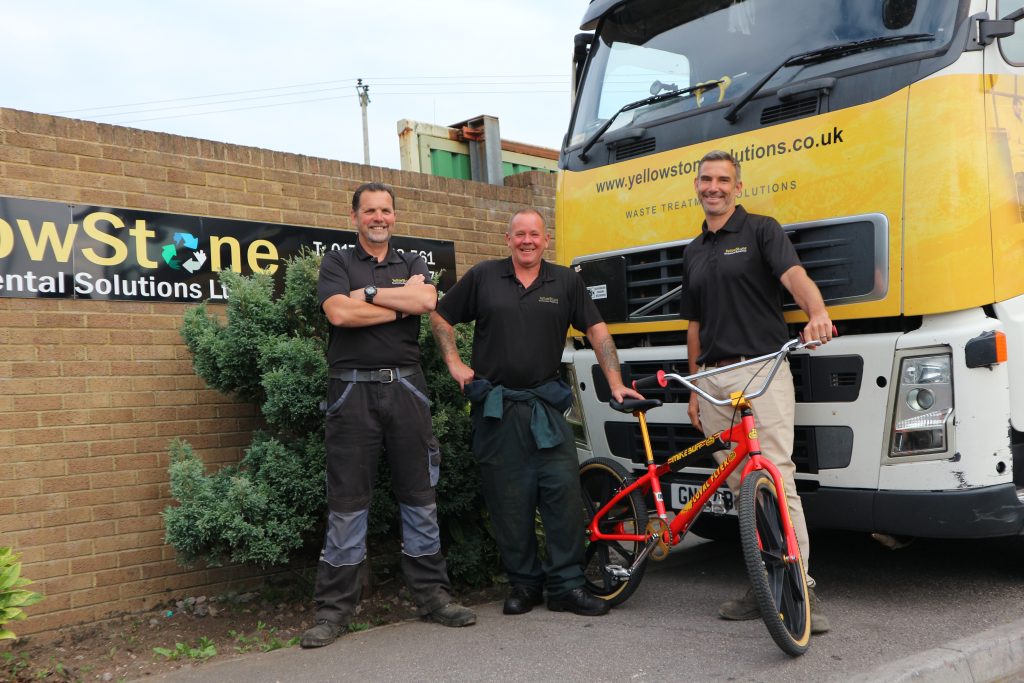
(267, 510)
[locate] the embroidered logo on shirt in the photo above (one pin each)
(735, 250)
(547, 299)
(398, 281)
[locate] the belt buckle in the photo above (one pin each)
(390, 375)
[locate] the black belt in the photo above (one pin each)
(722, 362)
(383, 376)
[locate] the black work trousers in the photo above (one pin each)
(363, 419)
(518, 479)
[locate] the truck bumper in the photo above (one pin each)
(986, 512)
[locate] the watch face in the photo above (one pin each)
(369, 292)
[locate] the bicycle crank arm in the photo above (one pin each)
(652, 544)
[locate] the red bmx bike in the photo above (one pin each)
(621, 536)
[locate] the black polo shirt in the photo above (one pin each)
(389, 345)
(731, 286)
(520, 332)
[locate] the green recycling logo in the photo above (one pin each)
(173, 258)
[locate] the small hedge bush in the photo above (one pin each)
(269, 508)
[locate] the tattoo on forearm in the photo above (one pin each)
(607, 357)
(445, 336)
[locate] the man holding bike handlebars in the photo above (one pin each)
(734, 273)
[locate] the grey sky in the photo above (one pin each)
(433, 62)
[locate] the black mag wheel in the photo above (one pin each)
(780, 587)
(605, 561)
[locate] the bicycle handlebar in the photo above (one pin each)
(651, 381)
(663, 378)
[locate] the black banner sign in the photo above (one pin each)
(70, 251)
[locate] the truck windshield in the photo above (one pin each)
(647, 47)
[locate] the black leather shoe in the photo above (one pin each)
(578, 601)
(522, 599)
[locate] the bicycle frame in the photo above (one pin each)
(743, 434)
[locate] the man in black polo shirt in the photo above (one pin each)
(523, 307)
(377, 399)
(734, 273)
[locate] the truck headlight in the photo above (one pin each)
(923, 406)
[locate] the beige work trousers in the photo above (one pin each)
(774, 414)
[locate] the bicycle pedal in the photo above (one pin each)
(617, 571)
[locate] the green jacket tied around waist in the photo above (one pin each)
(547, 402)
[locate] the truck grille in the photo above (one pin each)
(847, 257)
(653, 282)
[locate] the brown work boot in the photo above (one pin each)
(452, 614)
(819, 622)
(323, 633)
(740, 609)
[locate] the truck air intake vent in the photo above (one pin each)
(653, 283)
(843, 379)
(845, 257)
(638, 285)
(789, 110)
(826, 379)
(635, 149)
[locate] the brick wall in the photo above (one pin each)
(91, 392)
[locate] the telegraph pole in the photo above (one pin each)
(364, 99)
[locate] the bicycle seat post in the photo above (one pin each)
(659, 499)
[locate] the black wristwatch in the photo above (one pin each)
(369, 292)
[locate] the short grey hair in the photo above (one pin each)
(524, 212)
(719, 155)
(371, 187)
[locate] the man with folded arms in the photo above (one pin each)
(373, 297)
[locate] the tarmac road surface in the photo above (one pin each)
(934, 611)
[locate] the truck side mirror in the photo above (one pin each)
(990, 29)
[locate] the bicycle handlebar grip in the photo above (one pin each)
(835, 333)
(650, 382)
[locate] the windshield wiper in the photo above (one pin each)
(592, 140)
(823, 55)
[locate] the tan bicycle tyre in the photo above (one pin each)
(780, 588)
(600, 480)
